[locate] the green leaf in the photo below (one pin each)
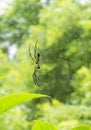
(9, 102)
(40, 125)
(84, 127)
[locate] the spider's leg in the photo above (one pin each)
(31, 54)
(34, 75)
(35, 79)
(35, 52)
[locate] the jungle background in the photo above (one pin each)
(63, 31)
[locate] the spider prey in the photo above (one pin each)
(36, 59)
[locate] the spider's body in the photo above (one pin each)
(36, 59)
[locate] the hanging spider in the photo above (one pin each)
(36, 59)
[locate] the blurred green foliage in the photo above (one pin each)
(63, 30)
(64, 116)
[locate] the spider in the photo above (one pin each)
(36, 59)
